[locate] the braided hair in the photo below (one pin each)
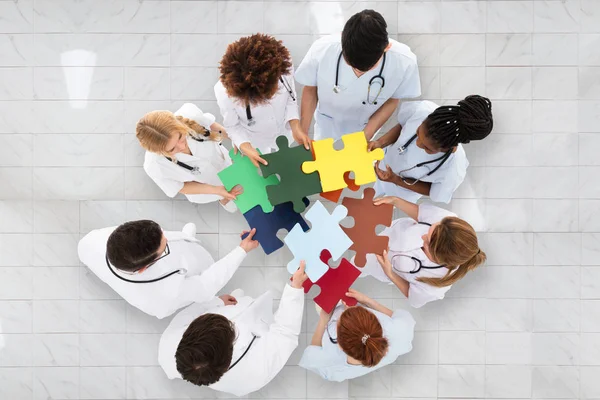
(470, 120)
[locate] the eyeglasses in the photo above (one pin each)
(165, 253)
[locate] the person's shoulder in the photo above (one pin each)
(401, 52)
(188, 110)
(324, 44)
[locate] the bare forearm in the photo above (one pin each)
(317, 339)
(391, 136)
(308, 106)
(420, 187)
(410, 209)
(400, 283)
(377, 306)
(198, 188)
(295, 124)
(380, 117)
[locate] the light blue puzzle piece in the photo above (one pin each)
(325, 233)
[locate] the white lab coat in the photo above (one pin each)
(406, 242)
(330, 361)
(271, 119)
(341, 113)
(202, 280)
(209, 156)
(277, 337)
(444, 181)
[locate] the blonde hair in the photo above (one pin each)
(155, 129)
(454, 244)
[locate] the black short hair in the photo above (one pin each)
(205, 350)
(133, 245)
(364, 39)
(470, 120)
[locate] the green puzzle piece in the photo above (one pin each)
(295, 185)
(244, 173)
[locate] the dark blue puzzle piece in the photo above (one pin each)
(283, 216)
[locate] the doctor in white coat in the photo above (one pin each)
(234, 344)
(354, 82)
(158, 272)
(429, 251)
(184, 154)
(354, 341)
(257, 97)
(424, 155)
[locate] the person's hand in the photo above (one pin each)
(387, 176)
(250, 152)
(385, 263)
(324, 315)
(249, 244)
(358, 296)
(385, 200)
(375, 144)
(232, 194)
(228, 299)
(299, 276)
(301, 138)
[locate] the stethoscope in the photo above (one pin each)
(417, 261)
(181, 271)
(338, 89)
(194, 170)
(442, 160)
(244, 353)
(287, 87)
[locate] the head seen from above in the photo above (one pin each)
(136, 245)
(252, 66)
(364, 40)
(360, 336)
(448, 126)
(452, 242)
(162, 132)
(205, 350)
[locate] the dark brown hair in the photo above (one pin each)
(251, 68)
(454, 244)
(360, 336)
(205, 350)
(133, 245)
(364, 39)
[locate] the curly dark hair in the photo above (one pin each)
(251, 68)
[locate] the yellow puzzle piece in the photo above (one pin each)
(332, 164)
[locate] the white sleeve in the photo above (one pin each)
(291, 107)
(231, 122)
(420, 294)
(406, 111)
(307, 72)
(281, 340)
(443, 190)
(171, 187)
(315, 359)
(410, 87)
(191, 111)
(201, 288)
(431, 214)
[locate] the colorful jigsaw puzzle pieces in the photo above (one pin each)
(295, 184)
(325, 233)
(332, 164)
(244, 173)
(366, 218)
(267, 225)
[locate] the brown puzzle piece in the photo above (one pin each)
(366, 218)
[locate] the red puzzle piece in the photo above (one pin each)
(335, 195)
(334, 284)
(366, 218)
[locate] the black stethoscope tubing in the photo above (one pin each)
(287, 87)
(415, 259)
(443, 158)
(379, 75)
(160, 278)
(242, 356)
(193, 170)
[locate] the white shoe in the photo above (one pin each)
(190, 229)
(237, 293)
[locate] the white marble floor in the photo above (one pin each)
(75, 75)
